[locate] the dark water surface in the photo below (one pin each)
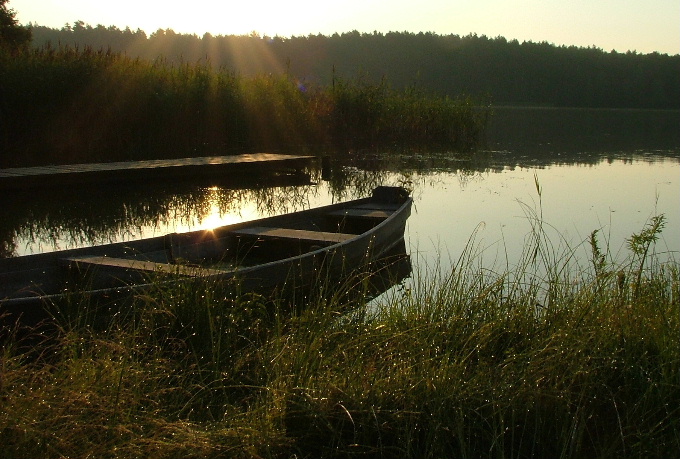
(609, 170)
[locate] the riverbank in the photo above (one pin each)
(528, 362)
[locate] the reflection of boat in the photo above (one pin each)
(372, 279)
(265, 255)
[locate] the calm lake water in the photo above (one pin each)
(606, 170)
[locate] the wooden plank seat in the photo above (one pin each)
(378, 206)
(361, 213)
(295, 234)
(110, 263)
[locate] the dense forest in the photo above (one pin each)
(504, 72)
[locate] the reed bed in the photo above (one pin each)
(538, 360)
(67, 105)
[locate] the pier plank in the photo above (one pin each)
(28, 177)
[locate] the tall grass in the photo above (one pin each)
(66, 105)
(531, 361)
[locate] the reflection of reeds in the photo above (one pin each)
(46, 220)
(55, 219)
(65, 105)
(469, 363)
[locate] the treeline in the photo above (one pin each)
(505, 72)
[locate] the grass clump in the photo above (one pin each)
(463, 363)
(69, 105)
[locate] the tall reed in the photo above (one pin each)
(66, 105)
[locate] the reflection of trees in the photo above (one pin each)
(353, 177)
(283, 200)
(351, 182)
(580, 136)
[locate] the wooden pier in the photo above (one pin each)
(240, 166)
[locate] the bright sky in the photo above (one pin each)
(640, 25)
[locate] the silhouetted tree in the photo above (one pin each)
(12, 35)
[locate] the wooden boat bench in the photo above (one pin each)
(360, 218)
(294, 234)
(371, 210)
(129, 264)
(361, 213)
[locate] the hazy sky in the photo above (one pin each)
(641, 25)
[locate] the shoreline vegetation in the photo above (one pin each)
(543, 359)
(69, 105)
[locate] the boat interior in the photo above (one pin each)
(212, 252)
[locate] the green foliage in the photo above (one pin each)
(599, 258)
(640, 244)
(464, 363)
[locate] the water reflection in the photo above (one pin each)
(598, 169)
(44, 220)
(47, 220)
(582, 133)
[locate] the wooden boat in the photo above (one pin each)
(266, 255)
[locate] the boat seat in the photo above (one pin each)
(142, 266)
(300, 235)
(378, 205)
(361, 213)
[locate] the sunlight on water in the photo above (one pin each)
(217, 216)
